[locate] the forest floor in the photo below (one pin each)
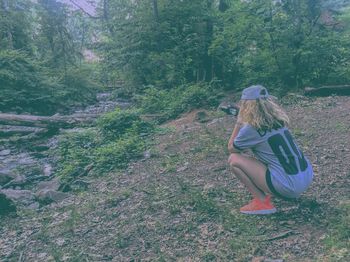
(182, 202)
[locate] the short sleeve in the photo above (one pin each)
(247, 137)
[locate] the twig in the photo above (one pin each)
(281, 235)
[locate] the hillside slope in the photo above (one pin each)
(182, 202)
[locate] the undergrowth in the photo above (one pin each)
(169, 104)
(337, 240)
(118, 138)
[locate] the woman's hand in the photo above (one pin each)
(230, 146)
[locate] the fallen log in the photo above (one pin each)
(342, 90)
(21, 139)
(49, 122)
(8, 130)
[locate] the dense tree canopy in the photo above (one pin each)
(285, 44)
(39, 55)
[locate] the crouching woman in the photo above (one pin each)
(279, 167)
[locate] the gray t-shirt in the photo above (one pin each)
(291, 172)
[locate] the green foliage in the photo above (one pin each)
(15, 25)
(119, 153)
(338, 237)
(282, 44)
(24, 84)
(173, 102)
(39, 55)
(115, 124)
(164, 46)
(27, 86)
(55, 43)
(118, 139)
(79, 87)
(76, 150)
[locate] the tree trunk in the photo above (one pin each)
(298, 40)
(47, 121)
(155, 10)
(328, 90)
(5, 6)
(7, 130)
(106, 17)
(208, 38)
(223, 6)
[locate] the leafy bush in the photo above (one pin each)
(119, 153)
(115, 124)
(117, 139)
(76, 150)
(196, 96)
(172, 103)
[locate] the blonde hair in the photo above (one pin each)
(262, 114)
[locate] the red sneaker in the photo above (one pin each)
(259, 207)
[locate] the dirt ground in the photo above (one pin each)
(181, 202)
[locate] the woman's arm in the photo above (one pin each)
(235, 131)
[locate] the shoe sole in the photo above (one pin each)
(260, 212)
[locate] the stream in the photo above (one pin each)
(23, 165)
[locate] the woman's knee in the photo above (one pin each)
(234, 160)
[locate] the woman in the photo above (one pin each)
(280, 168)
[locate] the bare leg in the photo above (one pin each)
(251, 173)
(252, 188)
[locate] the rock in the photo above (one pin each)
(49, 196)
(5, 152)
(34, 206)
(23, 197)
(7, 206)
(47, 170)
(53, 185)
(60, 242)
(6, 176)
(147, 154)
(25, 159)
(48, 192)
